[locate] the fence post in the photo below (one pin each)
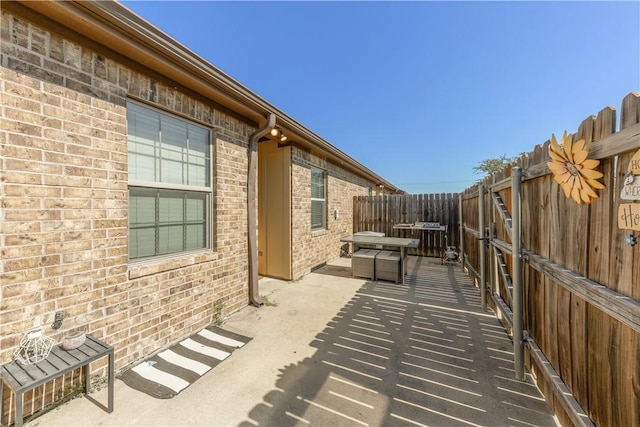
(516, 246)
(462, 257)
(482, 242)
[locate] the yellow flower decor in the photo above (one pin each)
(572, 169)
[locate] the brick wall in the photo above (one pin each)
(313, 248)
(64, 209)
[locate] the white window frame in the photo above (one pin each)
(194, 165)
(321, 200)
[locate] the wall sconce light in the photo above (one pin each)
(279, 134)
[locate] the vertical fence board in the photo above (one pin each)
(444, 213)
(453, 232)
(603, 347)
(597, 269)
(431, 213)
(571, 249)
(579, 308)
(550, 288)
(548, 202)
(544, 286)
(568, 244)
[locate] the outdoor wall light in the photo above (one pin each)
(278, 133)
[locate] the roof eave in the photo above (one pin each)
(112, 25)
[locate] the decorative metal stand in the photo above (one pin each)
(34, 347)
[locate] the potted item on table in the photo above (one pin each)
(73, 340)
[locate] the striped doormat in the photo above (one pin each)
(169, 372)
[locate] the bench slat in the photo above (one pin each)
(60, 359)
(48, 368)
(23, 374)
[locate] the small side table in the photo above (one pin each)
(22, 378)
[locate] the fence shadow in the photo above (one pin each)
(416, 354)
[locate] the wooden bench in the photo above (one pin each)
(22, 378)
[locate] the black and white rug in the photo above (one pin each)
(169, 372)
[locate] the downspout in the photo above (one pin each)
(254, 293)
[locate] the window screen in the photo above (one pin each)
(169, 183)
(318, 199)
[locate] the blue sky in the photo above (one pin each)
(420, 92)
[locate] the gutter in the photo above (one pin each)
(252, 223)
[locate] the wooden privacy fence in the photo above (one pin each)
(573, 287)
(381, 213)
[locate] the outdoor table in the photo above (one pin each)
(397, 242)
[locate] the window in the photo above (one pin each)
(318, 200)
(170, 188)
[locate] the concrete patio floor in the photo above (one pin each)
(332, 350)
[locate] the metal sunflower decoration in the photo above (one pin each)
(572, 169)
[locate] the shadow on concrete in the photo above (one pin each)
(334, 270)
(420, 354)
